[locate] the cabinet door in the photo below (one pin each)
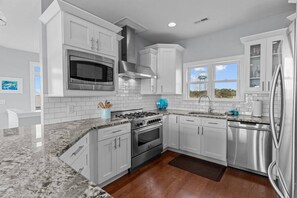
(149, 86)
(123, 153)
(166, 71)
(107, 167)
(165, 131)
(173, 133)
(255, 58)
(190, 138)
(82, 164)
(78, 32)
(105, 41)
(213, 143)
(274, 58)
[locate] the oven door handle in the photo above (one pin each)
(145, 129)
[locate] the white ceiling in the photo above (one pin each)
(156, 14)
(22, 30)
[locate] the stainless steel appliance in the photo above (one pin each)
(282, 172)
(249, 146)
(127, 65)
(88, 71)
(147, 135)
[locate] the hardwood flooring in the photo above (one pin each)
(159, 179)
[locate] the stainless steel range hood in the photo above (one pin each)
(127, 63)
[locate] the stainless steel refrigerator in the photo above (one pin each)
(282, 172)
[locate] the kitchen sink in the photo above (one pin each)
(206, 113)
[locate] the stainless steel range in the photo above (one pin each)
(147, 134)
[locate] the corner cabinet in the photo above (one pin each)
(263, 52)
(69, 27)
(169, 69)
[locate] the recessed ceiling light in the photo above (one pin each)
(171, 24)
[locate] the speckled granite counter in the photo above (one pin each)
(245, 118)
(30, 164)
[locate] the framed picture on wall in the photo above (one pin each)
(11, 85)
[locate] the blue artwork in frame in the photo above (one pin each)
(11, 85)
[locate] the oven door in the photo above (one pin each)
(90, 72)
(146, 138)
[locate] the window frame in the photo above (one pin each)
(211, 63)
(32, 84)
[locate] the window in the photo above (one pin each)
(35, 71)
(219, 79)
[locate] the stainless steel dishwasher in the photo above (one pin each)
(249, 146)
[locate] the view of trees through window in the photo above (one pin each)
(217, 80)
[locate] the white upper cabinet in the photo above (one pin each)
(169, 68)
(148, 58)
(262, 55)
(68, 27)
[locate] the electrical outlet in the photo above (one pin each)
(70, 109)
(2, 102)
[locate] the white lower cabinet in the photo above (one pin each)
(213, 143)
(173, 133)
(165, 131)
(82, 164)
(114, 153)
(189, 138)
(200, 136)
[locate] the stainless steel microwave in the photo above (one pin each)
(88, 71)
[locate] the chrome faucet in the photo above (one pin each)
(209, 103)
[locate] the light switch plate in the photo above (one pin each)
(2, 102)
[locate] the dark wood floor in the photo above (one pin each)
(158, 179)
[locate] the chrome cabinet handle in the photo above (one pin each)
(97, 42)
(115, 143)
(269, 172)
(262, 85)
(271, 105)
(190, 120)
(176, 119)
(81, 169)
(116, 131)
(268, 86)
(119, 141)
(92, 43)
(77, 150)
(212, 123)
(198, 130)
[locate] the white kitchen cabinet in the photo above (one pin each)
(190, 138)
(67, 27)
(148, 58)
(169, 68)
(114, 151)
(173, 133)
(165, 131)
(82, 164)
(262, 55)
(123, 153)
(214, 138)
(107, 156)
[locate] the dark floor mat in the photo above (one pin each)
(199, 167)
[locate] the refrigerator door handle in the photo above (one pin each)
(278, 72)
(275, 187)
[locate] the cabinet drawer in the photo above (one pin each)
(190, 120)
(75, 151)
(113, 131)
(81, 164)
(217, 123)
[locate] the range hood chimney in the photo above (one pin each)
(127, 64)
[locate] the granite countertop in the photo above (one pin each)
(30, 164)
(245, 118)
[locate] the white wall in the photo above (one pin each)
(226, 42)
(15, 63)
